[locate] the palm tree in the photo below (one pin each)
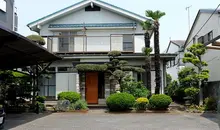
(156, 15)
(147, 26)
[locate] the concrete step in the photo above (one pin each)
(176, 106)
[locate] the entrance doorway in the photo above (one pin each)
(92, 88)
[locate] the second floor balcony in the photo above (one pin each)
(94, 44)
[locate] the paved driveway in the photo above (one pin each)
(104, 121)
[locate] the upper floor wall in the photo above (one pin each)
(93, 31)
(8, 15)
(208, 32)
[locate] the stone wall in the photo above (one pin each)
(107, 85)
(82, 82)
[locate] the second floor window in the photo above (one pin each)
(210, 36)
(201, 39)
(128, 42)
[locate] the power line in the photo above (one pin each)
(205, 22)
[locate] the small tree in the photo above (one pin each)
(187, 77)
(118, 69)
(193, 56)
(168, 79)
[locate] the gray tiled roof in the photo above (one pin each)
(179, 42)
(93, 25)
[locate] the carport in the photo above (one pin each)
(17, 51)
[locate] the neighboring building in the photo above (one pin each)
(8, 15)
(206, 30)
(173, 67)
(84, 33)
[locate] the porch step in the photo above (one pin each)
(90, 106)
(50, 103)
(175, 106)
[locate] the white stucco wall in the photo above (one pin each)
(212, 56)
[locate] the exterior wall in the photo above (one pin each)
(6, 18)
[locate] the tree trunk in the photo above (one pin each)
(147, 61)
(200, 94)
(157, 59)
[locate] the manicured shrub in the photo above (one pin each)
(160, 102)
(141, 103)
(41, 106)
(41, 99)
(191, 92)
(120, 101)
(71, 96)
(137, 89)
(80, 105)
(210, 104)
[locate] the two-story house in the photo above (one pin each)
(8, 14)
(84, 33)
(206, 30)
(174, 66)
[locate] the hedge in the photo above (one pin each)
(36, 38)
(91, 67)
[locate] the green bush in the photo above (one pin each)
(120, 101)
(41, 99)
(141, 103)
(210, 104)
(191, 92)
(41, 106)
(160, 102)
(80, 105)
(137, 89)
(71, 96)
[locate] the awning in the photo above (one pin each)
(17, 51)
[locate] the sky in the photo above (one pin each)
(174, 25)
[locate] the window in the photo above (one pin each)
(15, 22)
(66, 42)
(3, 5)
(62, 69)
(47, 86)
(128, 42)
(201, 39)
(210, 36)
(194, 40)
(51, 69)
(92, 8)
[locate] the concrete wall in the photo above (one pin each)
(6, 18)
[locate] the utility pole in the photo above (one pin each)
(188, 9)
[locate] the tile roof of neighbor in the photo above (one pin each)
(178, 42)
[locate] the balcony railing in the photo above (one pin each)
(82, 44)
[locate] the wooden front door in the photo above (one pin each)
(92, 88)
